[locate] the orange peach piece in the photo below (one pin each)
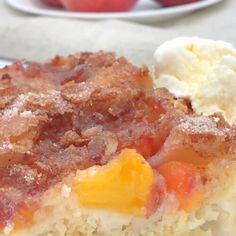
(184, 180)
(123, 185)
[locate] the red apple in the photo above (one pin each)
(54, 3)
(168, 3)
(98, 5)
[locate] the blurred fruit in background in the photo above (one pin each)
(97, 5)
(168, 3)
(107, 5)
(54, 3)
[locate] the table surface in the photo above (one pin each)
(37, 38)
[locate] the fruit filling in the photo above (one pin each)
(123, 185)
(185, 181)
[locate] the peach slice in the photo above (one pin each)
(184, 179)
(124, 185)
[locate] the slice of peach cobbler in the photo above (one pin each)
(89, 147)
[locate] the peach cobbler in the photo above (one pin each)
(88, 146)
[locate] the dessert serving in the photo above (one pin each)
(90, 146)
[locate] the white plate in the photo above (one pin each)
(146, 10)
(4, 63)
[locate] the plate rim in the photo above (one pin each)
(118, 15)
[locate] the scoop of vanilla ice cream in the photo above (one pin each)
(202, 70)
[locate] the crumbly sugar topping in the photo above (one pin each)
(202, 125)
(16, 107)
